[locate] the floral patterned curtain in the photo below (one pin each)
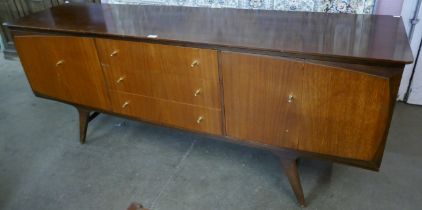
(335, 6)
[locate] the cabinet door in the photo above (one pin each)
(256, 98)
(345, 113)
(65, 68)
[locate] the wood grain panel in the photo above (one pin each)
(256, 90)
(344, 113)
(394, 85)
(168, 113)
(157, 58)
(166, 86)
(63, 67)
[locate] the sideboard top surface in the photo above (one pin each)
(344, 37)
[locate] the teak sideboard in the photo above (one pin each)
(299, 84)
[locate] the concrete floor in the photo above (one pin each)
(43, 166)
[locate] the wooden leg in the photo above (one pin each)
(84, 119)
(290, 168)
(83, 123)
(289, 165)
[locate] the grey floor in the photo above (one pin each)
(42, 165)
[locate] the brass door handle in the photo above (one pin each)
(197, 92)
(291, 98)
(194, 63)
(200, 119)
(120, 79)
(60, 62)
(115, 52)
(125, 104)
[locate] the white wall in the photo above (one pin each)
(408, 10)
(389, 7)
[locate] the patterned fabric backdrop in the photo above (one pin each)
(336, 6)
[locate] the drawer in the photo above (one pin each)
(117, 55)
(189, 90)
(168, 113)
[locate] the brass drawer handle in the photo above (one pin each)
(120, 79)
(115, 52)
(291, 98)
(60, 62)
(200, 119)
(125, 104)
(197, 92)
(194, 63)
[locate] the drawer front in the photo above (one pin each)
(168, 113)
(196, 91)
(119, 56)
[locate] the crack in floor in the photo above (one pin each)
(176, 171)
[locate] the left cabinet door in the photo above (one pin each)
(64, 68)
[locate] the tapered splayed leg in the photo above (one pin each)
(289, 163)
(83, 123)
(292, 173)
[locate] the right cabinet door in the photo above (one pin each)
(334, 109)
(345, 113)
(261, 97)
